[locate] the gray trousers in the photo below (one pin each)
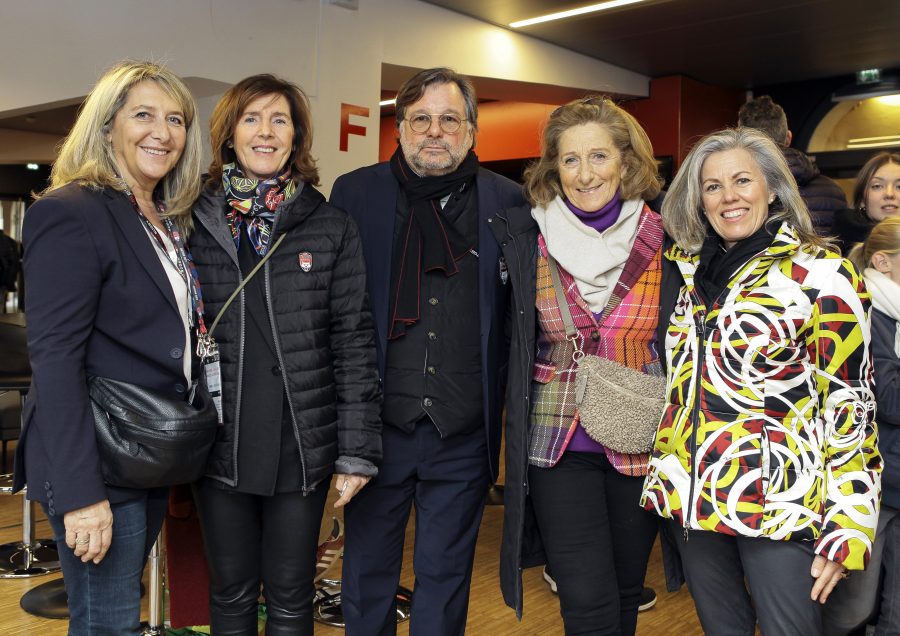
(737, 581)
(853, 602)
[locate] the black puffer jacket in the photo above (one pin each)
(322, 329)
(823, 196)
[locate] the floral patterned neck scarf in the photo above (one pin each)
(252, 203)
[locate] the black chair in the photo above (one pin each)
(28, 557)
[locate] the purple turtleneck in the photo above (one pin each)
(603, 218)
(600, 220)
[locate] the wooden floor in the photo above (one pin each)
(673, 614)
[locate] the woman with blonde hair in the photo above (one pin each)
(765, 460)
(854, 600)
(110, 294)
(586, 272)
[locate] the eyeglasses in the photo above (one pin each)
(448, 122)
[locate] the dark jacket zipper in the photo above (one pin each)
(277, 341)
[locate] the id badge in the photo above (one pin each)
(212, 373)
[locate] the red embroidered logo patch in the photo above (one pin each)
(305, 260)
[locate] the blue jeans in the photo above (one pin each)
(105, 599)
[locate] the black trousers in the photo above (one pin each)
(446, 480)
(251, 540)
(737, 581)
(597, 540)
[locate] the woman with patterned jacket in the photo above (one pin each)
(765, 459)
(589, 221)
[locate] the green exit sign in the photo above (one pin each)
(868, 76)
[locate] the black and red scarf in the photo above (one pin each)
(427, 243)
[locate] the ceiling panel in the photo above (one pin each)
(738, 43)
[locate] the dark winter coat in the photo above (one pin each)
(322, 329)
(822, 195)
(521, 547)
(850, 228)
(99, 303)
(370, 195)
(887, 398)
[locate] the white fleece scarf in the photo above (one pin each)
(595, 260)
(885, 297)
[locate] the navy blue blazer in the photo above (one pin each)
(98, 303)
(369, 195)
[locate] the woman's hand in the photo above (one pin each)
(89, 531)
(827, 574)
(348, 486)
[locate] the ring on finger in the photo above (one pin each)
(84, 541)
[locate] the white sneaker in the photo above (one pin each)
(550, 580)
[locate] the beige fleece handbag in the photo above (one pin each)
(618, 406)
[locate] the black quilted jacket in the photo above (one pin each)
(322, 330)
(823, 196)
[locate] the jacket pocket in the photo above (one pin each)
(794, 486)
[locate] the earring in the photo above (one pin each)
(230, 144)
(771, 199)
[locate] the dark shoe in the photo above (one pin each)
(648, 599)
(549, 578)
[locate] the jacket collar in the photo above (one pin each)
(209, 210)
(133, 229)
(785, 244)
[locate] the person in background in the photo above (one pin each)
(9, 267)
(855, 600)
(300, 394)
(823, 197)
(588, 212)
(439, 290)
(103, 237)
(765, 460)
(876, 196)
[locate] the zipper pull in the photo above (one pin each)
(686, 534)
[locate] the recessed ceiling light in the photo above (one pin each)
(32, 166)
(873, 142)
(601, 6)
(387, 102)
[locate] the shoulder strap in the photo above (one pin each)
(562, 301)
(244, 282)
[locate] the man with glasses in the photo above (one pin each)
(439, 294)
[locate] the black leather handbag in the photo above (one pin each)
(147, 439)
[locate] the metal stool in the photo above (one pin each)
(49, 600)
(155, 625)
(28, 557)
(327, 602)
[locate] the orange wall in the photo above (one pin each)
(681, 110)
(678, 112)
(507, 130)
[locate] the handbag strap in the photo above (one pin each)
(564, 311)
(244, 282)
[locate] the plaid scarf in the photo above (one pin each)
(252, 202)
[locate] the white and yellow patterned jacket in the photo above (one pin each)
(769, 428)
